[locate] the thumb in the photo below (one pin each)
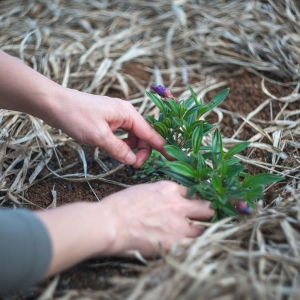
(118, 149)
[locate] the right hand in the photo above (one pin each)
(150, 216)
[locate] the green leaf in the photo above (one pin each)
(216, 182)
(207, 148)
(197, 138)
(161, 117)
(234, 170)
(186, 181)
(150, 119)
(174, 107)
(255, 193)
(207, 128)
(214, 205)
(223, 167)
(207, 192)
(200, 161)
(198, 123)
(182, 168)
(232, 162)
(193, 95)
(236, 149)
(158, 102)
(261, 179)
(222, 199)
(161, 128)
(229, 209)
(235, 194)
(192, 191)
(219, 97)
(217, 145)
(167, 122)
(177, 121)
(177, 153)
(191, 111)
(207, 155)
(188, 102)
(216, 100)
(188, 144)
(203, 173)
(215, 218)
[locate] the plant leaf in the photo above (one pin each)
(219, 97)
(177, 153)
(217, 145)
(186, 181)
(150, 119)
(193, 95)
(161, 128)
(167, 122)
(203, 173)
(255, 193)
(236, 149)
(261, 179)
(189, 102)
(158, 102)
(229, 209)
(197, 138)
(191, 111)
(232, 162)
(182, 168)
(174, 107)
(234, 170)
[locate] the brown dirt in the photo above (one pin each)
(245, 95)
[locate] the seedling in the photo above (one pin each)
(150, 167)
(208, 170)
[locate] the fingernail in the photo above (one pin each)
(130, 159)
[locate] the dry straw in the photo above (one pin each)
(85, 44)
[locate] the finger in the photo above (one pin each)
(132, 142)
(143, 153)
(144, 149)
(199, 210)
(142, 129)
(194, 230)
(117, 148)
(183, 191)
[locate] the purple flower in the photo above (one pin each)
(162, 91)
(242, 208)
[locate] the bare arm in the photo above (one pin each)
(87, 118)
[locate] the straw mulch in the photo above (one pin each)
(85, 44)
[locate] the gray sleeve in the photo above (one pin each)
(25, 250)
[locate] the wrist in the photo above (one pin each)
(77, 232)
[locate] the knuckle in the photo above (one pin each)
(127, 106)
(169, 185)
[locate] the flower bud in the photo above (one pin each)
(242, 208)
(162, 91)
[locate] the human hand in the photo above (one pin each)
(151, 215)
(91, 119)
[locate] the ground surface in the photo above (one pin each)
(246, 94)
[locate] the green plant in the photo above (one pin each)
(206, 169)
(151, 166)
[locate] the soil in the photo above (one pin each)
(245, 95)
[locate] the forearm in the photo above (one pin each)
(77, 231)
(23, 89)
